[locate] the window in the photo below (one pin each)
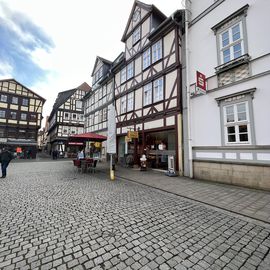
(146, 58)
(136, 35)
(237, 121)
(123, 75)
(23, 116)
(147, 94)
(130, 70)
(231, 43)
(104, 114)
(14, 100)
(74, 116)
(3, 98)
(33, 117)
(13, 115)
(78, 104)
(158, 90)
(66, 116)
(25, 102)
(123, 104)
(237, 127)
(130, 101)
(2, 114)
(156, 51)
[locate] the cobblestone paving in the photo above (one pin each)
(51, 217)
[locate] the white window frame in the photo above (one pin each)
(130, 101)
(147, 94)
(130, 70)
(136, 35)
(79, 104)
(147, 58)
(157, 51)
(158, 89)
(231, 44)
(237, 123)
(123, 104)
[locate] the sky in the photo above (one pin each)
(51, 45)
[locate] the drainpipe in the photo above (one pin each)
(190, 159)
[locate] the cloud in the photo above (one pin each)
(24, 47)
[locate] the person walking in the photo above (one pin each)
(5, 158)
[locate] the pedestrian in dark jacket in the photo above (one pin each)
(5, 158)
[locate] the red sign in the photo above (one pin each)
(75, 143)
(201, 81)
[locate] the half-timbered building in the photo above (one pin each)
(96, 103)
(67, 118)
(20, 118)
(148, 88)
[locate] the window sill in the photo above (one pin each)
(233, 63)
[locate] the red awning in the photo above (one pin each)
(89, 136)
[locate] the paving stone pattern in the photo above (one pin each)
(51, 217)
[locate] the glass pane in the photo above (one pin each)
(226, 56)
(231, 130)
(241, 112)
(243, 137)
(237, 50)
(231, 138)
(236, 32)
(229, 114)
(243, 128)
(225, 39)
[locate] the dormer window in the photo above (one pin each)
(136, 35)
(98, 75)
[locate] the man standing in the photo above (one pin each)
(5, 158)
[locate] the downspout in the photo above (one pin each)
(190, 159)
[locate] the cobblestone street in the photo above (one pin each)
(53, 217)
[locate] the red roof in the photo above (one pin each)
(89, 136)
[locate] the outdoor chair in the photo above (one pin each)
(77, 163)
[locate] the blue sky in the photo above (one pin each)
(51, 45)
(20, 38)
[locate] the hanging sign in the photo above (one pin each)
(133, 134)
(200, 83)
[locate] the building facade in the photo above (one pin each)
(148, 88)
(229, 127)
(20, 118)
(67, 118)
(96, 104)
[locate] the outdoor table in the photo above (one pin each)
(86, 164)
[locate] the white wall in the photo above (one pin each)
(206, 129)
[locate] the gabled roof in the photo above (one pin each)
(105, 61)
(84, 87)
(11, 79)
(149, 8)
(63, 97)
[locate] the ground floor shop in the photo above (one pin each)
(21, 149)
(158, 145)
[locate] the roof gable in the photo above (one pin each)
(98, 63)
(23, 88)
(138, 12)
